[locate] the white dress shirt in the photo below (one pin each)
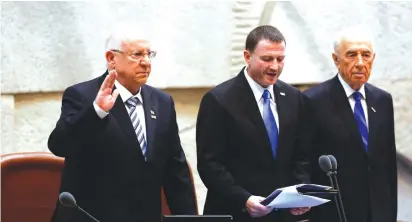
(125, 95)
(349, 93)
(258, 93)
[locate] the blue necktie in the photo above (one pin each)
(360, 118)
(270, 122)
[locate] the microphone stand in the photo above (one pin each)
(90, 216)
(329, 174)
(342, 215)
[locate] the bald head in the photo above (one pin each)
(354, 56)
(352, 34)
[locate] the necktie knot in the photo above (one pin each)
(266, 94)
(357, 96)
(132, 102)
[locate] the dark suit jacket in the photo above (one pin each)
(104, 166)
(235, 158)
(368, 181)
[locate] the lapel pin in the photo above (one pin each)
(373, 109)
(282, 94)
(151, 112)
(153, 117)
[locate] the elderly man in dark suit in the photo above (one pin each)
(120, 150)
(251, 134)
(353, 120)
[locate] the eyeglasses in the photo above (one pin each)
(138, 55)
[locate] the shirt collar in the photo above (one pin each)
(258, 89)
(348, 90)
(126, 94)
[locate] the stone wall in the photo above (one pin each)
(47, 46)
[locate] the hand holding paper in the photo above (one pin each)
(299, 211)
(298, 196)
(255, 208)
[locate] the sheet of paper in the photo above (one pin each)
(290, 198)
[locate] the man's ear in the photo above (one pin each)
(110, 59)
(335, 59)
(246, 56)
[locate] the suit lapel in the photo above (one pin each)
(283, 116)
(343, 109)
(249, 110)
(248, 105)
(150, 107)
(122, 116)
(373, 118)
(120, 113)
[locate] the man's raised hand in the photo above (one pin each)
(106, 97)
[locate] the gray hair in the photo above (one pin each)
(355, 33)
(122, 33)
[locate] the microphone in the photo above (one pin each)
(326, 165)
(67, 200)
(334, 163)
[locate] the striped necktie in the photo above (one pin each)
(132, 103)
(360, 118)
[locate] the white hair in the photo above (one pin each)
(355, 33)
(122, 33)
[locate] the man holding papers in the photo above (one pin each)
(251, 135)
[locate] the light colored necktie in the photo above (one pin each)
(132, 103)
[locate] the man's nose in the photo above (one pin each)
(359, 60)
(274, 65)
(146, 60)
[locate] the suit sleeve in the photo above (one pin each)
(393, 172)
(178, 186)
(211, 141)
(302, 150)
(78, 125)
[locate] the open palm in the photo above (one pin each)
(106, 97)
